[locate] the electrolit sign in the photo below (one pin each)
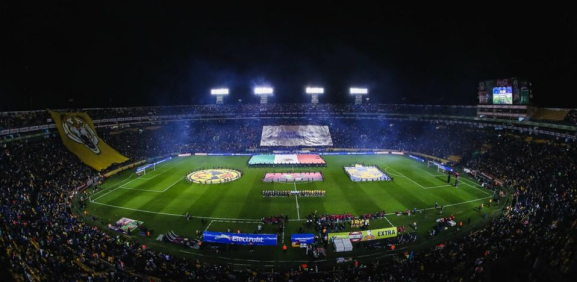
(240, 239)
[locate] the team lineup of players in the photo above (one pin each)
(288, 193)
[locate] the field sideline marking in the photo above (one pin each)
(488, 193)
(257, 219)
(93, 200)
(90, 197)
(389, 222)
(209, 225)
(465, 180)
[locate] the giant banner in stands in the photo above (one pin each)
(296, 135)
(79, 136)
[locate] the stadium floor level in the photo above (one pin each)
(162, 197)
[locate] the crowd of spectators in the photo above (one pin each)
(11, 120)
(571, 117)
(42, 239)
(236, 136)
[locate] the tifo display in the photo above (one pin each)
(296, 135)
(286, 160)
(366, 173)
(213, 176)
(293, 177)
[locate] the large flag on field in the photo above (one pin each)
(79, 136)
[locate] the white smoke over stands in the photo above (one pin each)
(263, 90)
(219, 91)
(315, 90)
(356, 91)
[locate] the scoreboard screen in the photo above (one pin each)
(507, 91)
(503, 95)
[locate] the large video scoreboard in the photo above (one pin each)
(508, 91)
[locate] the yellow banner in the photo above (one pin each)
(366, 235)
(79, 136)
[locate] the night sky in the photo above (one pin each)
(74, 54)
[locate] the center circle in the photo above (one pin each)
(213, 176)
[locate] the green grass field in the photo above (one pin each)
(162, 197)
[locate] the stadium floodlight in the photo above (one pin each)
(263, 90)
(358, 91)
(219, 91)
(315, 90)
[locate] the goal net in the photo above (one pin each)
(439, 166)
(145, 169)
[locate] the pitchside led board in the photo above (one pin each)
(509, 91)
(240, 238)
(366, 235)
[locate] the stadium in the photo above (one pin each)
(303, 190)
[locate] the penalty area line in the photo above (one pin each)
(402, 175)
(173, 184)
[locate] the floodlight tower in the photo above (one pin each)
(219, 93)
(359, 93)
(314, 92)
(263, 93)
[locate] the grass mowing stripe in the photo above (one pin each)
(402, 175)
(242, 201)
(257, 219)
